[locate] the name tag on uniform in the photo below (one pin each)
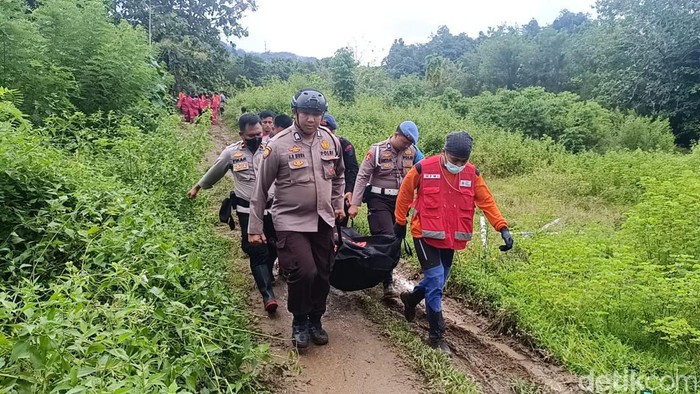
(240, 166)
(465, 183)
(431, 176)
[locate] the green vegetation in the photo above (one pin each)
(615, 288)
(111, 281)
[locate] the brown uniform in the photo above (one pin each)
(242, 163)
(383, 169)
(309, 184)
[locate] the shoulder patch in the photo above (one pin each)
(369, 155)
(267, 152)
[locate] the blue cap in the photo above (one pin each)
(410, 130)
(330, 121)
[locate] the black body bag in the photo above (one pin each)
(362, 262)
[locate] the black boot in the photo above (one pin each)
(410, 301)
(300, 332)
(319, 336)
(436, 335)
(388, 285)
(263, 280)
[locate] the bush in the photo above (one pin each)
(564, 117)
(67, 55)
(111, 280)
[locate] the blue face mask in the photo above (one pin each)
(452, 168)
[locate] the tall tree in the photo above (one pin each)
(187, 35)
(647, 54)
(342, 67)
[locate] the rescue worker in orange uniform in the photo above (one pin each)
(446, 188)
(180, 102)
(215, 104)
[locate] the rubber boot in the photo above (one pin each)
(410, 301)
(319, 336)
(436, 334)
(263, 280)
(300, 332)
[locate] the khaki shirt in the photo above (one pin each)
(240, 161)
(308, 179)
(383, 167)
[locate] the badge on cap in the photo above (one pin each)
(267, 152)
(325, 144)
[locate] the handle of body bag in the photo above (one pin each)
(340, 232)
(407, 247)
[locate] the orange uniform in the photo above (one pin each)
(482, 197)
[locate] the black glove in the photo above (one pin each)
(507, 238)
(399, 231)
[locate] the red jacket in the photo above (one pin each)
(446, 209)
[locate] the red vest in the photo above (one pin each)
(445, 210)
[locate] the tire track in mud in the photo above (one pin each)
(498, 363)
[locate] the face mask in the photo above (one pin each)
(253, 144)
(453, 169)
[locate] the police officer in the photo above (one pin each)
(381, 173)
(447, 189)
(349, 160)
(239, 158)
(306, 167)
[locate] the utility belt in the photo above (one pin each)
(243, 206)
(383, 191)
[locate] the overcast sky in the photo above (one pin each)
(318, 28)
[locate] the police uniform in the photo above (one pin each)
(309, 183)
(382, 172)
(238, 159)
(383, 169)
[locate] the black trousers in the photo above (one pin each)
(381, 218)
(308, 259)
(262, 257)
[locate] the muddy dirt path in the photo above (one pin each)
(359, 360)
(498, 363)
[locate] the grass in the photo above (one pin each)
(434, 366)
